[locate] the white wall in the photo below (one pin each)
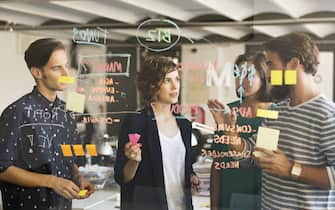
(16, 79)
(325, 75)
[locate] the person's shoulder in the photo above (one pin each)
(136, 116)
(322, 99)
(134, 121)
(324, 106)
(183, 119)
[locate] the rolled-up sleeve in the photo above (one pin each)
(327, 147)
(9, 134)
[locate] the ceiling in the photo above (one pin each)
(198, 19)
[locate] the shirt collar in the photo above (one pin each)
(43, 100)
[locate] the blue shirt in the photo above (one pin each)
(31, 132)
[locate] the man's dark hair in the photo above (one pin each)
(39, 52)
(297, 45)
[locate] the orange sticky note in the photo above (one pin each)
(75, 102)
(91, 149)
(82, 192)
(78, 150)
(290, 77)
(276, 77)
(66, 80)
(66, 149)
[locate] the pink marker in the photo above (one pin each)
(134, 138)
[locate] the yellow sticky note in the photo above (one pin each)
(276, 77)
(66, 79)
(82, 192)
(267, 113)
(267, 138)
(91, 149)
(290, 77)
(78, 150)
(75, 102)
(66, 149)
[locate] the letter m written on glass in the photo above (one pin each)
(224, 77)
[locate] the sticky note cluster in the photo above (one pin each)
(78, 150)
(289, 79)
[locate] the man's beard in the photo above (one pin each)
(279, 93)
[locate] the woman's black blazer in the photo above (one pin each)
(147, 189)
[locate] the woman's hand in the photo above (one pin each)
(221, 113)
(134, 154)
(196, 184)
(133, 151)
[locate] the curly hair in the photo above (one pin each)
(297, 45)
(152, 74)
